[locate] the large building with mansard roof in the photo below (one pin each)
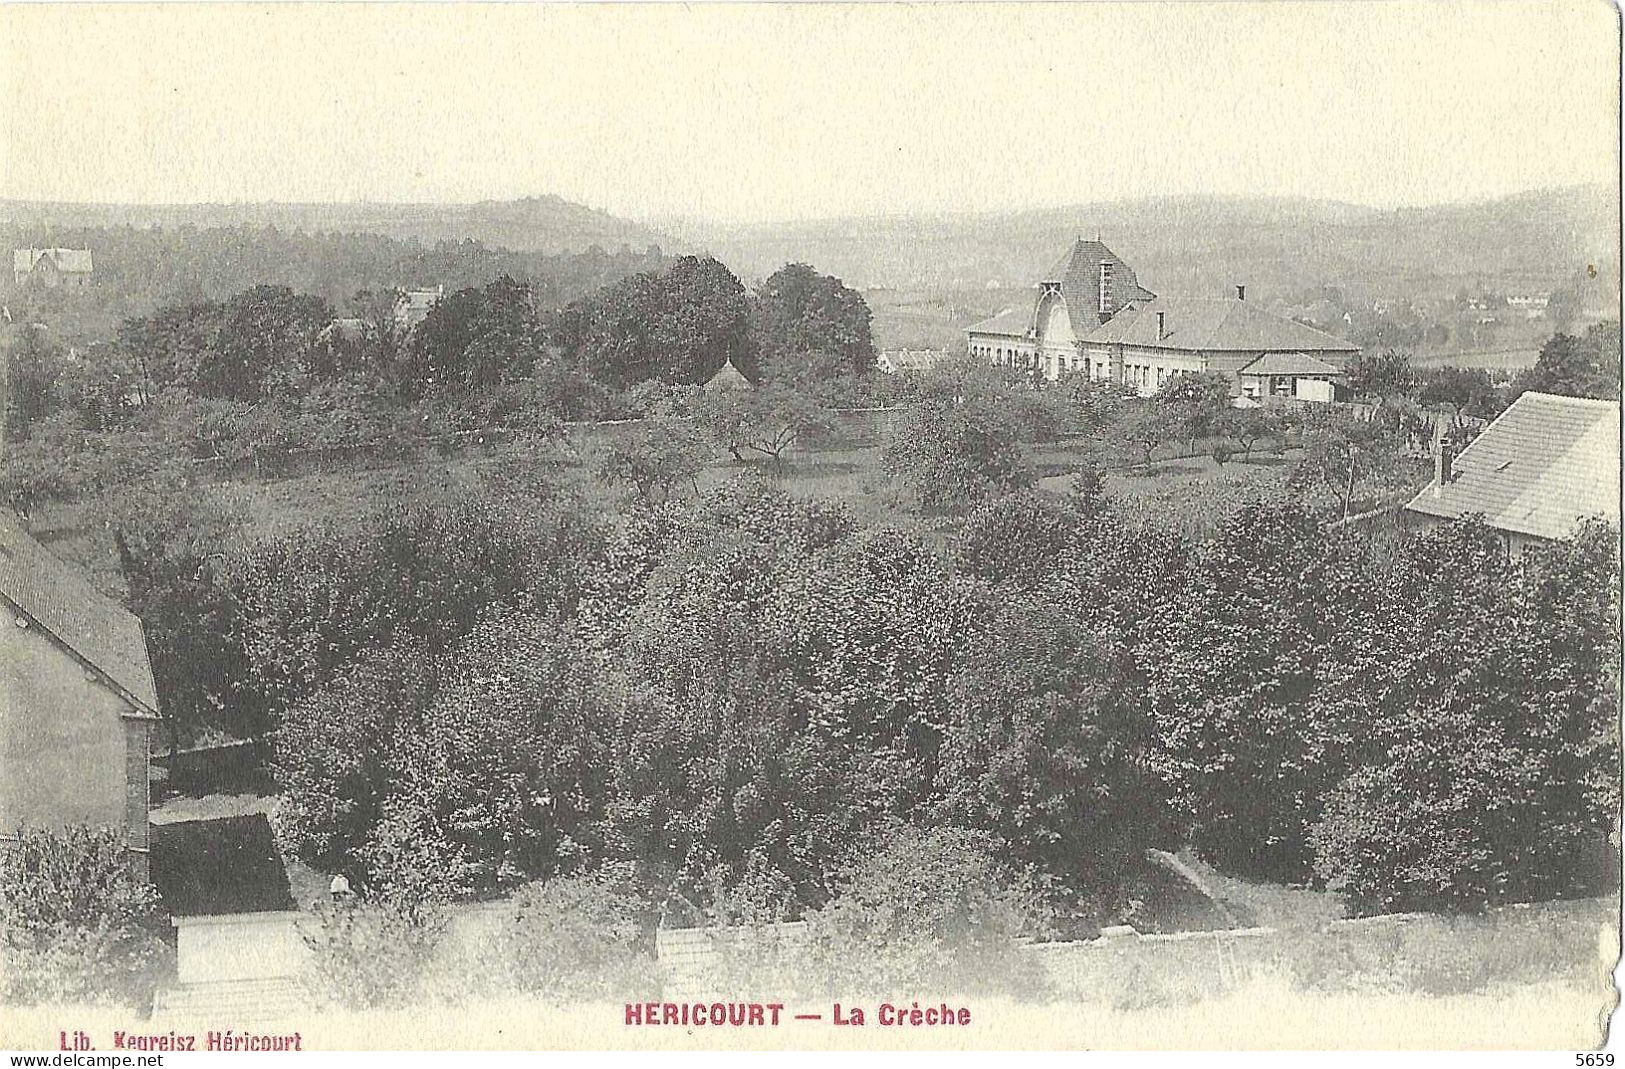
(1088, 286)
(1092, 316)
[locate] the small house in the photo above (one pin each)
(52, 268)
(1539, 468)
(77, 700)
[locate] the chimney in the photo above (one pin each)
(1162, 325)
(1444, 462)
(1241, 293)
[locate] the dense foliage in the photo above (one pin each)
(77, 923)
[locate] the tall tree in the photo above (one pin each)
(809, 325)
(1382, 376)
(33, 362)
(676, 326)
(1587, 366)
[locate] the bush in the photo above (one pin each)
(369, 954)
(77, 923)
(929, 911)
(577, 938)
(1019, 538)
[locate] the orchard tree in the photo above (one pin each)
(1195, 402)
(766, 421)
(1146, 426)
(1249, 426)
(1342, 454)
(950, 453)
(656, 458)
(1383, 375)
(1468, 390)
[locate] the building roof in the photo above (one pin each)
(1536, 469)
(418, 302)
(1012, 322)
(1213, 324)
(347, 329)
(910, 359)
(1078, 272)
(728, 378)
(70, 260)
(1273, 363)
(219, 866)
(57, 598)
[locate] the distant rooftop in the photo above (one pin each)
(1013, 322)
(72, 261)
(1213, 324)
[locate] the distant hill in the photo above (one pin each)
(546, 224)
(1203, 245)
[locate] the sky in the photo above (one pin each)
(735, 112)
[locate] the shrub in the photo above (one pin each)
(929, 910)
(371, 953)
(577, 938)
(1018, 538)
(77, 923)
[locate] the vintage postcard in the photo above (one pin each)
(809, 526)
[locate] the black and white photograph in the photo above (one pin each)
(825, 526)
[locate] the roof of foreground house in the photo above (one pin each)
(57, 598)
(1213, 324)
(1537, 469)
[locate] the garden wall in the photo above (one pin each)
(1421, 952)
(238, 946)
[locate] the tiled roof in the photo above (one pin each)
(1537, 468)
(59, 599)
(910, 359)
(1013, 322)
(1078, 272)
(73, 260)
(1288, 364)
(728, 377)
(1222, 324)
